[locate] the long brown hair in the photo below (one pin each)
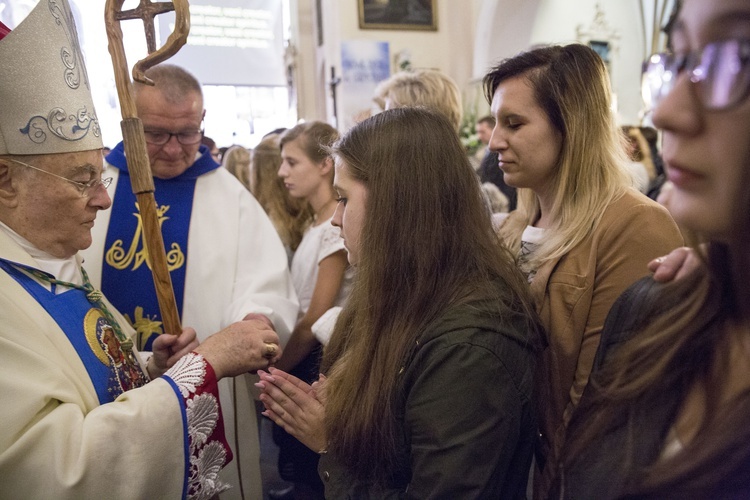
(426, 244)
(290, 216)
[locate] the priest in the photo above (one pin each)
(226, 261)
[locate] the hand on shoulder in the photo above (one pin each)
(674, 266)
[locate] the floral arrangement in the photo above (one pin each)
(472, 98)
(468, 134)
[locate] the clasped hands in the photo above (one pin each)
(295, 406)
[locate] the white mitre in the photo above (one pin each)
(44, 88)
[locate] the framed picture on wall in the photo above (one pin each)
(602, 47)
(398, 14)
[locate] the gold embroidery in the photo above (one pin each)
(118, 258)
(93, 323)
(144, 326)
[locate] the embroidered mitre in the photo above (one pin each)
(44, 88)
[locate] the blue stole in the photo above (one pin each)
(126, 271)
(90, 333)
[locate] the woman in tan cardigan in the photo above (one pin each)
(582, 234)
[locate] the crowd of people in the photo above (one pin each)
(416, 321)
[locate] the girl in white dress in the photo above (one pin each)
(319, 272)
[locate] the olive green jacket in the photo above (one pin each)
(465, 414)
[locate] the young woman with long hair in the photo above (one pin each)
(582, 234)
(290, 216)
(667, 412)
(430, 365)
(320, 274)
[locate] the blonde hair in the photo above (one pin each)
(289, 216)
(425, 88)
(571, 85)
(237, 162)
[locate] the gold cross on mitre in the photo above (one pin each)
(147, 11)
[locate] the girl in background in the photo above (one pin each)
(236, 160)
(290, 216)
(320, 276)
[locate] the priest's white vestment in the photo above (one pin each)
(236, 264)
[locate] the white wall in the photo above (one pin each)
(509, 26)
(448, 49)
(474, 34)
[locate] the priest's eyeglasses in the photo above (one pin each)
(160, 137)
(720, 74)
(84, 188)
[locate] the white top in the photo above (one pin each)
(530, 240)
(319, 242)
(638, 175)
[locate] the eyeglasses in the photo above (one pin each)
(160, 138)
(720, 73)
(83, 187)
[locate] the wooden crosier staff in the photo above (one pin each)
(139, 166)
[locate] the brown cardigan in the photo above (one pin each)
(574, 293)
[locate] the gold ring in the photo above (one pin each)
(270, 350)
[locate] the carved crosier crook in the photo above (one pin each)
(134, 141)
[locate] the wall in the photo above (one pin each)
(471, 36)
(508, 26)
(448, 49)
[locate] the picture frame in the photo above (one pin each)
(398, 14)
(602, 38)
(602, 47)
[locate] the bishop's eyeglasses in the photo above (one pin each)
(84, 188)
(720, 74)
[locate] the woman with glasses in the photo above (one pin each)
(667, 412)
(581, 232)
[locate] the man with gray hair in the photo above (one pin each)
(83, 416)
(226, 260)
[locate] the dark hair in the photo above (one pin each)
(427, 244)
(208, 142)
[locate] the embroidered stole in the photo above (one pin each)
(112, 368)
(126, 274)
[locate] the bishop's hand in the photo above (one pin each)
(245, 346)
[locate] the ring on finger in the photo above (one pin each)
(269, 350)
